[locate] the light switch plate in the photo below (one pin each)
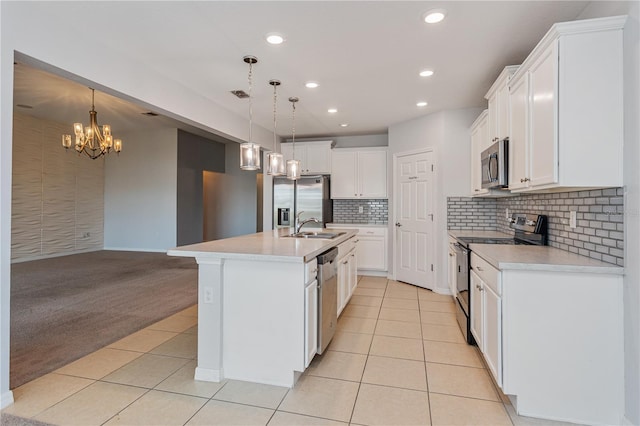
(360, 209)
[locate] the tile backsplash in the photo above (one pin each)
(373, 211)
(599, 233)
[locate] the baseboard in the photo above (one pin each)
(51, 256)
(627, 422)
(146, 250)
(370, 273)
(208, 375)
(6, 399)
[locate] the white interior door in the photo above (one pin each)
(413, 247)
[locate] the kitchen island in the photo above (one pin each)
(255, 313)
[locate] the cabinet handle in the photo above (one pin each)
(477, 190)
(524, 180)
(479, 268)
(398, 224)
(451, 255)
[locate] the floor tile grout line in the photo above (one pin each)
(426, 373)
(127, 406)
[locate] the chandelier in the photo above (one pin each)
(90, 139)
(275, 160)
(249, 151)
(293, 165)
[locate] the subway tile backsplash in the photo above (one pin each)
(373, 211)
(600, 219)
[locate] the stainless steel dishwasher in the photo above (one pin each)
(327, 297)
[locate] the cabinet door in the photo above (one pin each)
(492, 336)
(372, 253)
(343, 282)
(343, 174)
(475, 301)
(478, 136)
(502, 113)
(453, 270)
(300, 154)
(492, 121)
(518, 141)
(372, 172)
(353, 272)
(311, 322)
(543, 142)
(318, 159)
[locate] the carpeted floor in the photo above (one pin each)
(67, 307)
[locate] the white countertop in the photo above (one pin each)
(358, 225)
(270, 245)
(457, 233)
(541, 258)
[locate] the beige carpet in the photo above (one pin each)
(67, 307)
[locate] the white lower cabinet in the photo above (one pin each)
(486, 313)
(552, 339)
(347, 272)
(453, 268)
(476, 308)
(372, 247)
(310, 311)
(310, 321)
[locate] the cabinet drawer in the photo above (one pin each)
(372, 232)
(486, 272)
(346, 247)
(310, 271)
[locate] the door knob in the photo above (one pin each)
(398, 224)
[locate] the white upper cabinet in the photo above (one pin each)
(498, 100)
(478, 144)
(567, 109)
(315, 157)
(359, 173)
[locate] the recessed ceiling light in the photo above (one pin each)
(426, 73)
(332, 110)
(274, 38)
(344, 125)
(421, 104)
(434, 16)
(311, 84)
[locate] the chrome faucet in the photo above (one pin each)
(299, 224)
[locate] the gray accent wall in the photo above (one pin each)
(195, 155)
(599, 233)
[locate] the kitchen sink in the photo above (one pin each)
(312, 234)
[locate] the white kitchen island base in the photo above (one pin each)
(252, 316)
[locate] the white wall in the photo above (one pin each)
(631, 168)
(140, 192)
(447, 132)
(57, 195)
(352, 141)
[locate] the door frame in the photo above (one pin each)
(394, 207)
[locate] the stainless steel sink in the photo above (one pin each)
(312, 234)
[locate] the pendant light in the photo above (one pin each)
(275, 160)
(249, 151)
(293, 166)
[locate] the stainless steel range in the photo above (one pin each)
(528, 229)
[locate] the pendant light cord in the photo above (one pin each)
(250, 99)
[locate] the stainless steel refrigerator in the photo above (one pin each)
(309, 194)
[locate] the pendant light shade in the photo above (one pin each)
(293, 166)
(249, 156)
(293, 169)
(275, 164)
(275, 161)
(249, 151)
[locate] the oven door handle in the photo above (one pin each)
(460, 247)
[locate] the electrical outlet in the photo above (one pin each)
(573, 219)
(208, 295)
(506, 215)
(360, 209)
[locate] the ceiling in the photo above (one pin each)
(366, 57)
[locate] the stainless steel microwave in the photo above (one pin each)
(495, 168)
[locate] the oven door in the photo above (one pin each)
(462, 277)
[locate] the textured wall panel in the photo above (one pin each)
(58, 196)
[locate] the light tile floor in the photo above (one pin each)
(398, 358)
